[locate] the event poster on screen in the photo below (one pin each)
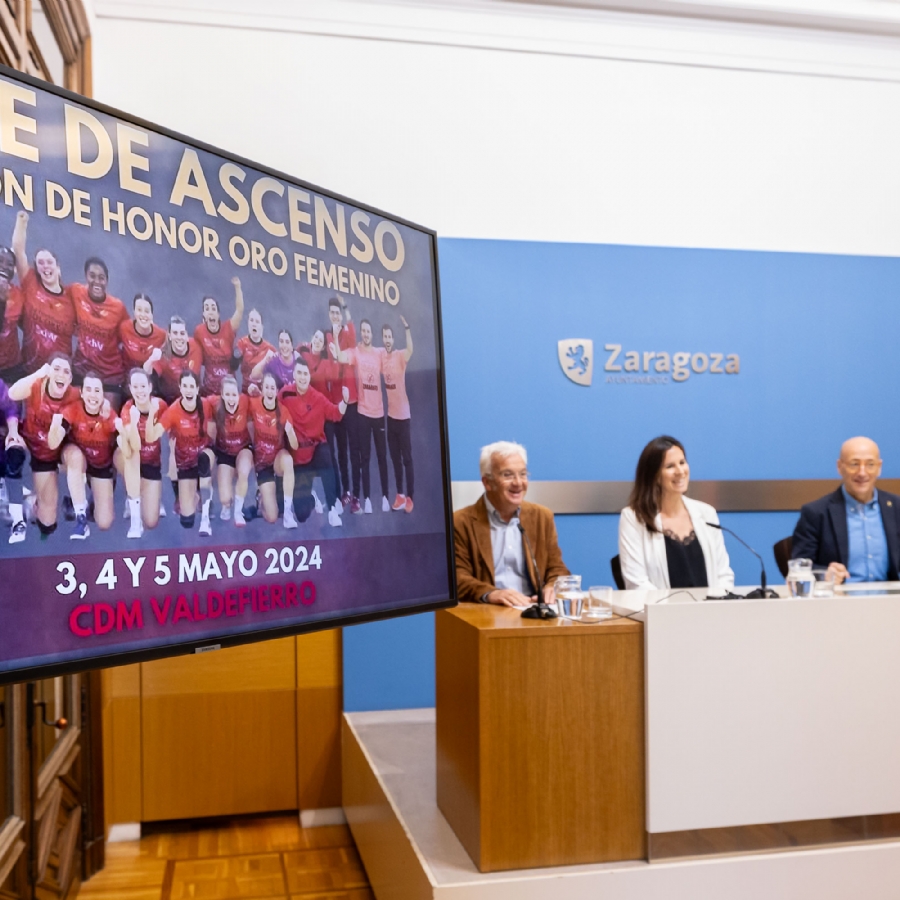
(222, 396)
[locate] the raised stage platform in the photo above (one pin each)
(410, 852)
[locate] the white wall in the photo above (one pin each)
(493, 119)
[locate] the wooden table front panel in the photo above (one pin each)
(541, 751)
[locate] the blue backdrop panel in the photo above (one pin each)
(815, 338)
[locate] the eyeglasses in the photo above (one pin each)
(508, 475)
(854, 465)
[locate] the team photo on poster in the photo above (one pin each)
(197, 361)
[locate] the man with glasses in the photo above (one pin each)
(493, 561)
(854, 531)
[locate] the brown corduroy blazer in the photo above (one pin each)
(475, 557)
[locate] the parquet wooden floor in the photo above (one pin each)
(243, 859)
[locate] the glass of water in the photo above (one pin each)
(823, 586)
(597, 604)
(800, 578)
(568, 596)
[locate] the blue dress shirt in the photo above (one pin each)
(510, 570)
(868, 559)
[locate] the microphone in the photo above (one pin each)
(762, 591)
(539, 610)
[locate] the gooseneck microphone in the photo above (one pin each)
(539, 610)
(762, 591)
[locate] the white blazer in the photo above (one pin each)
(642, 552)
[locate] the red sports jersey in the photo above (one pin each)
(97, 327)
(48, 323)
(150, 453)
(39, 411)
(232, 433)
(136, 348)
(308, 413)
(218, 350)
(324, 373)
(10, 354)
(94, 435)
(251, 356)
(169, 369)
(268, 433)
(189, 432)
(347, 341)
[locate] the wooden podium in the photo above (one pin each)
(540, 737)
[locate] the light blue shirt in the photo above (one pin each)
(510, 570)
(868, 560)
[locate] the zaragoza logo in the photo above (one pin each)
(576, 356)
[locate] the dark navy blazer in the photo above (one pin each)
(821, 533)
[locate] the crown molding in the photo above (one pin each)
(649, 31)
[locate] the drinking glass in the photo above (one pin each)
(800, 578)
(568, 596)
(823, 586)
(597, 604)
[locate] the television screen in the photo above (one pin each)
(221, 397)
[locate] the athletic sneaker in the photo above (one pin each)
(355, 508)
(81, 530)
(17, 533)
(136, 529)
(290, 520)
(399, 503)
(68, 509)
(126, 512)
(205, 528)
(409, 504)
(5, 516)
(239, 519)
(385, 504)
(334, 517)
(319, 508)
(225, 515)
(162, 511)
(368, 507)
(346, 498)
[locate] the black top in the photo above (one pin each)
(687, 567)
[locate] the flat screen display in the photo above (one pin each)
(222, 401)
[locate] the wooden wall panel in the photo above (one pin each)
(121, 691)
(220, 732)
(250, 729)
(319, 710)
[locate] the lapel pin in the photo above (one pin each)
(890, 503)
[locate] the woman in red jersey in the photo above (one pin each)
(187, 420)
(142, 453)
(270, 458)
(252, 349)
(48, 314)
(216, 339)
(165, 366)
(90, 428)
(45, 393)
(325, 377)
(140, 336)
(180, 353)
(308, 411)
(232, 448)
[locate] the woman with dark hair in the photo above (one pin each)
(280, 363)
(665, 540)
(187, 420)
(234, 457)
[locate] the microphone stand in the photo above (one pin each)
(762, 592)
(539, 610)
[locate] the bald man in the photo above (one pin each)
(854, 531)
